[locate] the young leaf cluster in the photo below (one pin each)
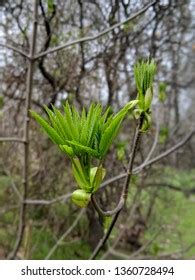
(144, 73)
(87, 134)
(84, 137)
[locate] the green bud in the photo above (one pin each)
(137, 113)
(144, 73)
(148, 98)
(97, 174)
(81, 198)
(146, 123)
(93, 171)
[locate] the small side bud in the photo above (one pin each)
(97, 174)
(81, 198)
(146, 123)
(148, 98)
(137, 113)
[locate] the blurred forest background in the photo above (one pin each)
(37, 218)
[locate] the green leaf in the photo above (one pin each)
(98, 176)
(54, 136)
(148, 98)
(76, 119)
(70, 122)
(79, 174)
(81, 148)
(93, 124)
(84, 133)
(62, 123)
(67, 150)
(110, 132)
(55, 123)
(130, 105)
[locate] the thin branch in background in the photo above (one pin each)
(11, 139)
(22, 53)
(92, 38)
(176, 255)
(165, 154)
(136, 253)
(62, 199)
(146, 245)
(139, 168)
(29, 88)
(69, 230)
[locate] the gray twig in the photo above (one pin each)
(92, 38)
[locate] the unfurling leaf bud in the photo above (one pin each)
(97, 174)
(148, 98)
(137, 113)
(144, 73)
(81, 198)
(146, 123)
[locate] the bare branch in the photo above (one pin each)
(165, 154)
(15, 50)
(11, 139)
(150, 162)
(62, 198)
(92, 38)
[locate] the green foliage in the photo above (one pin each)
(52, 133)
(84, 137)
(144, 73)
(177, 213)
(88, 136)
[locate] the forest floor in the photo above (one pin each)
(174, 210)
